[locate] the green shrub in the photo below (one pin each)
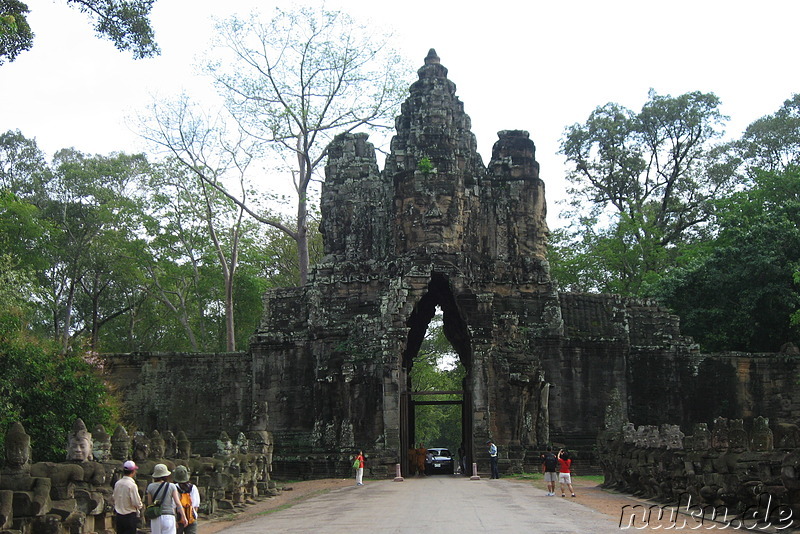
(45, 390)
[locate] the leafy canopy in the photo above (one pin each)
(124, 22)
(739, 290)
(642, 185)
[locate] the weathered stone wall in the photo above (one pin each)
(198, 393)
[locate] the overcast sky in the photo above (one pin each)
(536, 66)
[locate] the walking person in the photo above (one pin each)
(412, 461)
(564, 476)
(422, 453)
(493, 459)
(190, 500)
(127, 503)
(359, 465)
(549, 466)
(166, 493)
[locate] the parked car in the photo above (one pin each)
(442, 462)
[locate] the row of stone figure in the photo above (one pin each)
(726, 467)
(75, 496)
(726, 434)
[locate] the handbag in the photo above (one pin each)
(356, 464)
(154, 510)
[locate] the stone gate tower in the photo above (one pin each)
(437, 227)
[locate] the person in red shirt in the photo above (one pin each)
(564, 476)
(360, 468)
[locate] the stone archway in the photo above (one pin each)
(439, 294)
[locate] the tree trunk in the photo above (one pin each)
(231, 333)
(302, 240)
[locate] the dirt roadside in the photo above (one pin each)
(588, 493)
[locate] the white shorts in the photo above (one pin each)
(163, 524)
(565, 478)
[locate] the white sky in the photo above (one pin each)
(530, 65)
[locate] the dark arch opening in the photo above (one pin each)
(439, 294)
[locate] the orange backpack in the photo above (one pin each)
(186, 502)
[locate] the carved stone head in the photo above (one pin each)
(184, 446)
(101, 444)
(672, 436)
(120, 444)
(701, 437)
(737, 436)
(719, 437)
(157, 446)
(79, 443)
(224, 445)
(141, 446)
(18, 447)
(170, 445)
(761, 437)
(242, 443)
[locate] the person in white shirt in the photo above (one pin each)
(127, 502)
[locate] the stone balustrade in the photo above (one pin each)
(725, 469)
(75, 496)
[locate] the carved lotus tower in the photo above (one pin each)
(436, 228)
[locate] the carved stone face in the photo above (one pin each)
(184, 449)
(101, 449)
(79, 449)
(157, 449)
(18, 453)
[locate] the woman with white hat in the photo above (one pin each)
(167, 494)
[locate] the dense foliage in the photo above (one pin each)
(44, 389)
(710, 229)
(437, 368)
(123, 254)
(738, 290)
(642, 184)
(15, 33)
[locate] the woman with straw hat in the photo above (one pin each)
(166, 493)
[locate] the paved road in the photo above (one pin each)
(434, 505)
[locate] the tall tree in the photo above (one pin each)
(191, 207)
(93, 212)
(642, 184)
(124, 22)
(737, 291)
(298, 80)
